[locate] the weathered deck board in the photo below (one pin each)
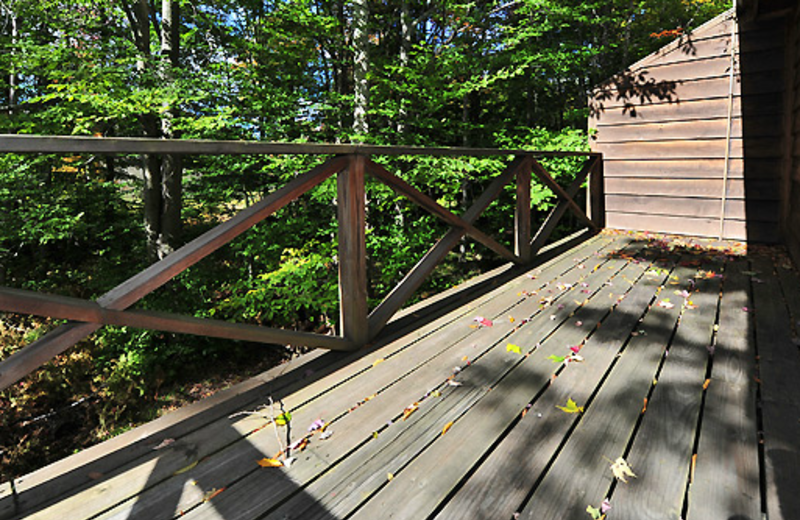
(392, 403)
(779, 366)
(694, 446)
(580, 474)
(662, 448)
(726, 479)
(502, 481)
(357, 382)
(482, 380)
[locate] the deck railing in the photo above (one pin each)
(351, 162)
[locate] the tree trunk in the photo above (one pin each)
(405, 49)
(12, 76)
(360, 67)
(171, 165)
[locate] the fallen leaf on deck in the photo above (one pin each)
(511, 319)
(666, 304)
(288, 462)
(409, 410)
(447, 427)
(483, 321)
(706, 383)
(325, 435)
(95, 475)
(513, 348)
(605, 507)
(594, 512)
(378, 361)
(389, 477)
(572, 407)
(747, 309)
(299, 445)
(164, 444)
(574, 358)
(316, 425)
(269, 463)
(283, 419)
(576, 348)
(451, 382)
(211, 494)
(621, 469)
(644, 406)
(187, 468)
(557, 359)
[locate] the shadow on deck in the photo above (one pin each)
(679, 356)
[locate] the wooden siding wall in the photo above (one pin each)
(662, 127)
(791, 190)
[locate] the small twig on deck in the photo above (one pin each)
(270, 415)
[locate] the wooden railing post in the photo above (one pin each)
(597, 196)
(352, 252)
(522, 214)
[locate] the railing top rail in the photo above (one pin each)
(135, 145)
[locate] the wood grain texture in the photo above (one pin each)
(432, 476)
(687, 89)
(126, 452)
(735, 209)
(726, 478)
(436, 356)
(699, 188)
(702, 109)
(580, 473)
(597, 194)
(697, 148)
(504, 478)
(351, 211)
(61, 307)
(678, 130)
(494, 456)
(7, 505)
(662, 449)
(522, 215)
(779, 364)
(702, 227)
(757, 169)
(132, 145)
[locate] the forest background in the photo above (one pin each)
(505, 74)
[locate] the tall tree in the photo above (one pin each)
(360, 67)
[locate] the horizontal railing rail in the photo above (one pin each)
(351, 164)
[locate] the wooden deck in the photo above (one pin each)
(684, 362)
